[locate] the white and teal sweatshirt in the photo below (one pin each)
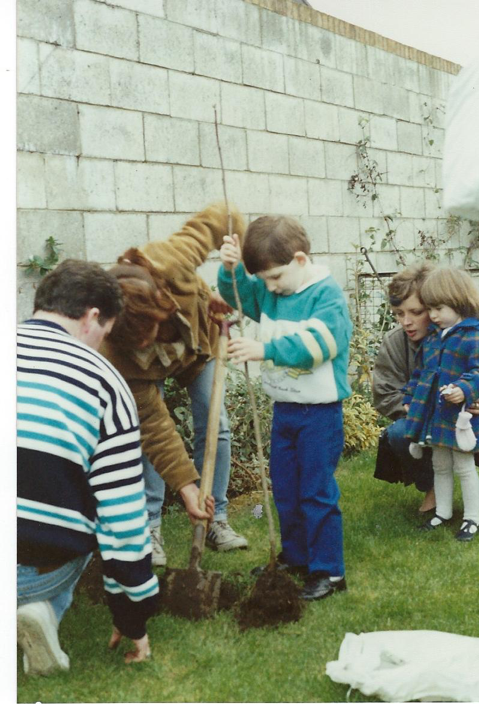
(306, 335)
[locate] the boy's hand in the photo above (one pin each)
(230, 252)
(243, 349)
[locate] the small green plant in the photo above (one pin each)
(361, 429)
(37, 264)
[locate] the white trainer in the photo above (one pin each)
(37, 635)
(222, 537)
(158, 558)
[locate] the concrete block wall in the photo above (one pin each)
(116, 124)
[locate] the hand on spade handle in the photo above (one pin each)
(191, 498)
(211, 444)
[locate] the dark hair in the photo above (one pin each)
(273, 240)
(408, 282)
(75, 286)
(147, 301)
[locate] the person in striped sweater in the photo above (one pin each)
(80, 482)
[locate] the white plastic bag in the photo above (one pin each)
(402, 666)
(461, 147)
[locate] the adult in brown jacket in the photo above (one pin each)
(165, 331)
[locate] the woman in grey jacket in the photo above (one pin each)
(394, 366)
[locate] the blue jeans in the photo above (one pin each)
(420, 471)
(57, 587)
(306, 443)
(199, 392)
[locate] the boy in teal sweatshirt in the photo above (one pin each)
(304, 345)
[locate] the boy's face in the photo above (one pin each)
(285, 279)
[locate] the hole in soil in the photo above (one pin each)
(231, 592)
(274, 599)
(230, 595)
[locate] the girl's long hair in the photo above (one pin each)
(146, 297)
(449, 286)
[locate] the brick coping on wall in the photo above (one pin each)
(303, 13)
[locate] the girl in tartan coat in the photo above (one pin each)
(446, 379)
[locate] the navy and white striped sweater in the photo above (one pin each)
(80, 479)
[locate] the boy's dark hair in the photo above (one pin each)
(408, 282)
(273, 240)
(75, 286)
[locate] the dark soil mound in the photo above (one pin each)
(273, 600)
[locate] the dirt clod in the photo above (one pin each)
(273, 600)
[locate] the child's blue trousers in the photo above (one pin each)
(306, 443)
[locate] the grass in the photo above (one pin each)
(398, 579)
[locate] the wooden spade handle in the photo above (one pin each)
(211, 443)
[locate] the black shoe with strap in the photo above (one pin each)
(319, 586)
(433, 523)
(282, 566)
(467, 531)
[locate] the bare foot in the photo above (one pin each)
(429, 502)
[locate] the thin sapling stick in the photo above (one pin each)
(251, 394)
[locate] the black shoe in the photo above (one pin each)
(318, 586)
(282, 566)
(432, 524)
(467, 532)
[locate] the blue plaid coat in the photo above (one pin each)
(452, 359)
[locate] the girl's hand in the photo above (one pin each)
(406, 407)
(454, 395)
(243, 349)
(139, 654)
(230, 252)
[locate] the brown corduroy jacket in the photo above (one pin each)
(196, 338)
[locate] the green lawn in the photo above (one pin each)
(398, 579)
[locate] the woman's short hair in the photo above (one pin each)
(146, 297)
(408, 282)
(273, 240)
(449, 286)
(75, 286)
